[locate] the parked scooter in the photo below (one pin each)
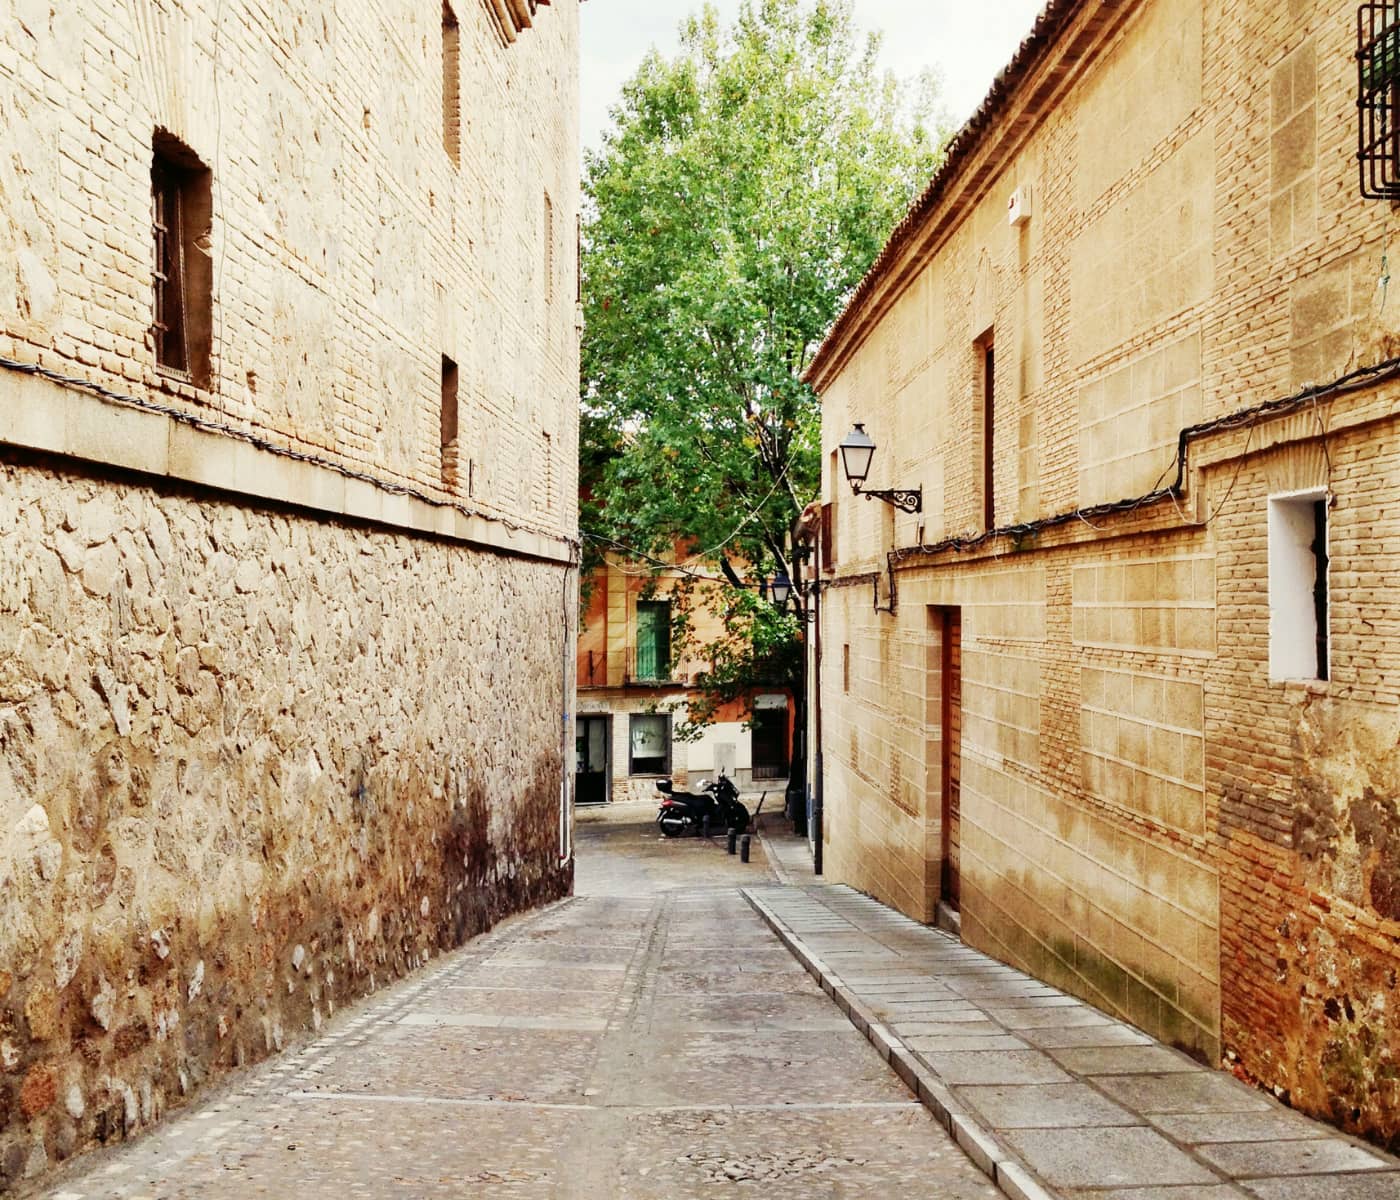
(685, 812)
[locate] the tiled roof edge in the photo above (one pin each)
(1054, 17)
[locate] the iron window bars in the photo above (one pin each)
(1378, 99)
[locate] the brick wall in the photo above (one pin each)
(349, 252)
(1147, 819)
(279, 695)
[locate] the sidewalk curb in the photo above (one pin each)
(992, 1158)
(773, 861)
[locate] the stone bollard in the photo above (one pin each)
(705, 826)
(744, 849)
(733, 839)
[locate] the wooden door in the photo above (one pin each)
(952, 754)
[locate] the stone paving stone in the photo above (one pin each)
(756, 1008)
(1058, 1017)
(1046, 1106)
(948, 1042)
(1123, 1060)
(1108, 1157)
(1370, 1186)
(547, 952)
(1316, 1156)
(538, 1002)
(544, 980)
(1089, 1035)
(907, 1029)
(996, 1066)
(714, 1070)
(795, 1155)
(928, 1010)
(692, 983)
(1199, 1092)
(1194, 1191)
(1280, 1125)
(466, 1063)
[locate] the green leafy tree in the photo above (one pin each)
(743, 191)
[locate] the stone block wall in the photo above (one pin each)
(1147, 818)
(255, 765)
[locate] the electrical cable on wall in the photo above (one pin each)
(1243, 418)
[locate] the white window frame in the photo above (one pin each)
(1292, 579)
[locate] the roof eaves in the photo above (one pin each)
(1053, 19)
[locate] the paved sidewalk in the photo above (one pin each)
(1047, 1094)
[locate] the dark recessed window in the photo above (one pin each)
(987, 373)
(449, 425)
(451, 86)
(183, 274)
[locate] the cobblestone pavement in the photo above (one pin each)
(1030, 1078)
(650, 1039)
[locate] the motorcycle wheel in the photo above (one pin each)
(738, 817)
(672, 829)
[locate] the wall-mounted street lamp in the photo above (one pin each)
(780, 589)
(857, 449)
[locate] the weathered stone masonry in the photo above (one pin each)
(254, 766)
(282, 674)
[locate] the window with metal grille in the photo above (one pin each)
(653, 639)
(182, 270)
(1378, 99)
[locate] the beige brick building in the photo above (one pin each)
(1149, 748)
(288, 387)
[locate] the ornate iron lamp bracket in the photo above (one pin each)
(910, 500)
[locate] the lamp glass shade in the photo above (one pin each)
(857, 449)
(780, 589)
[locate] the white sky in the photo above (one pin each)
(966, 41)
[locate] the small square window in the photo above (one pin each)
(650, 738)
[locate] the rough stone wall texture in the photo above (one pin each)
(1146, 819)
(256, 760)
(254, 766)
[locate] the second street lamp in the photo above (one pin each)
(857, 449)
(780, 589)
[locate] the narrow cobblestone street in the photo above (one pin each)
(650, 1038)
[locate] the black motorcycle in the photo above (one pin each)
(684, 813)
